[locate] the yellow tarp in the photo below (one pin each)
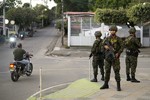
(79, 89)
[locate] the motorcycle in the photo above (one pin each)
(17, 68)
(12, 41)
(21, 36)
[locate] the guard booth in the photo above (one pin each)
(80, 28)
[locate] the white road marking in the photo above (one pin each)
(47, 89)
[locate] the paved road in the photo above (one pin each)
(26, 85)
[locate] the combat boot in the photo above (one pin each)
(105, 86)
(102, 77)
(134, 80)
(128, 77)
(94, 79)
(118, 86)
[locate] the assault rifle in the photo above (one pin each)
(109, 54)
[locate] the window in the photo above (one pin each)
(146, 31)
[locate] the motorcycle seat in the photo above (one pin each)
(20, 63)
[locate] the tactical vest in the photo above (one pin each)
(114, 43)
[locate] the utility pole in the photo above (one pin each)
(30, 3)
(62, 28)
(4, 26)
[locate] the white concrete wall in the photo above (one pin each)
(146, 42)
(82, 40)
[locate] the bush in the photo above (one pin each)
(140, 12)
(59, 25)
(110, 16)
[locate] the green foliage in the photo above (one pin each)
(42, 12)
(22, 16)
(26, 5)
(110, 16)
(113, 4)
(72, 5)
(9, 4)
(140, 12)
(59, 26)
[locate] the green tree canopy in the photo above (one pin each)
(22, 16)
(140, 12)
(26, 5)
(110, 16)
(43, 12)
(71, 5)
(9, 4)
(113, 4)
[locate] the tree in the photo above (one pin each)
(113, 4)
(26, 5)
(23, 17)
(9, 4)
(72, 5)
(140, 12)
(110, 16)
(43, 13)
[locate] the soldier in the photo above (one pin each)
(113, 48)
(98, 57)
(132, 50)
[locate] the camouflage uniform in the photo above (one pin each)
(132, 45)
(98, 58)
(118, 48)
(117, 45)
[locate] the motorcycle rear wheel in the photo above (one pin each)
(30, 70)
(14, 76)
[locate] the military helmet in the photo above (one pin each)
(98, 33)
(132, 30)
(113, 28)
(19, 45)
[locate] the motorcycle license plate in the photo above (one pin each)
(11, 69)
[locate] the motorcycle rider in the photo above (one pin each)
(12, 40)
(19, 56)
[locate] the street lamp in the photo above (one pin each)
(43, 17)
(142, 25)
(30, 3)
(62, 28)
(4, 26)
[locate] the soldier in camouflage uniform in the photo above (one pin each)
(98, 56)
(113, 48)
(132, 50)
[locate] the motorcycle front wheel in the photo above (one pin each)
(14, 76)
(30, 70)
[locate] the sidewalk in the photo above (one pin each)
(84, 51)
